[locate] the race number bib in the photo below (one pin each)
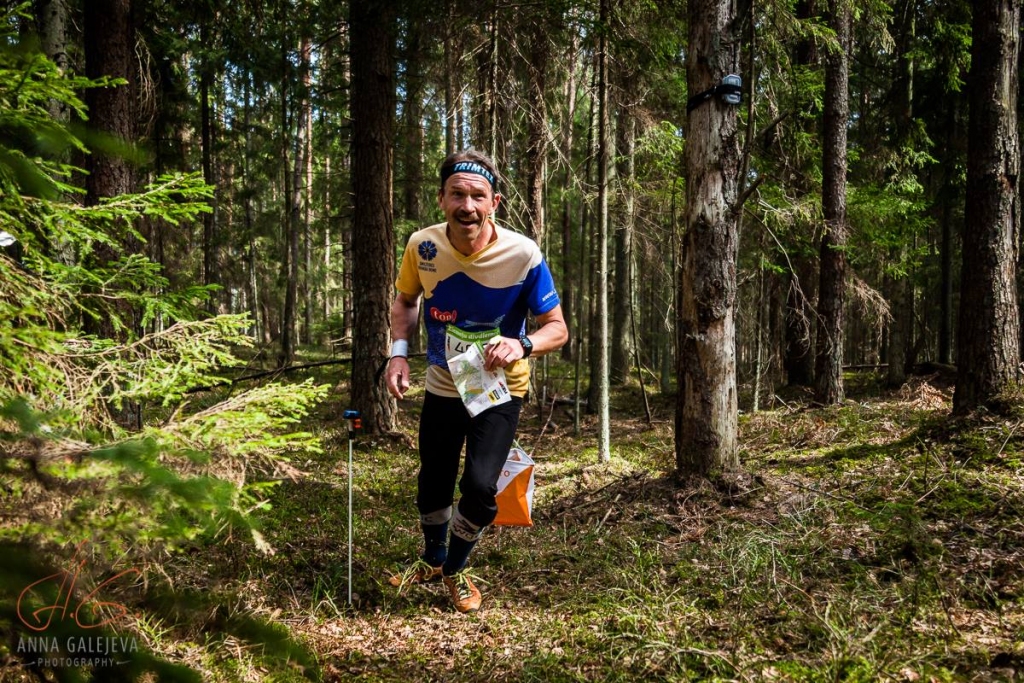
(458, 341)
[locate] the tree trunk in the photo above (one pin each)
(625, 280)
(412, 124)
(373, 94)
(569, 290)
(52, 18)
(290, 260)
(603, 164)
(669, 338)
(946, 257)
(450, 80)
(591, 228)
(828, 389)
(304, 193)
(110, 51)
(988, 346)
(706, 410)
(210, 274)
(537, 136)
(487, 70)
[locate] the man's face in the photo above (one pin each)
(467, 200)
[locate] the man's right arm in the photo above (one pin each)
(404, 318)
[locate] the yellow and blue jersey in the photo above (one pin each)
(493, 289)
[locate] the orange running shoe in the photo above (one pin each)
(418, 572)
(465, 596)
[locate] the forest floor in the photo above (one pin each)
(870, 541)
(873, 541)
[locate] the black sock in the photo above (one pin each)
(435, 537)
(465, 534)
(458, 555)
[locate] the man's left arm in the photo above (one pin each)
(550, 335)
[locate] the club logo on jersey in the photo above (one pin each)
(427, 250)
(443, 316)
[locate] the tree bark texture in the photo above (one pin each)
(706, 412)
(486, 77)
(110, 51)
(210, 274)
(601, 320)
(988, 347)
(625, 278)
(570, 296)
(828, 389)
(450, 89)
(309, 291)
(373, 247)
(52, 18)
(537, 137)
(412, 115)
(290, 259)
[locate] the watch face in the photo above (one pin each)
(527, 345)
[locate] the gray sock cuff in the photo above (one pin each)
(465, 529)
(436, 517)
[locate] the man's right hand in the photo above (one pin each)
(397, 376)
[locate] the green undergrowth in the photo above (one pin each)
(872, 541)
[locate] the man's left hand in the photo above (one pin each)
(502, 352)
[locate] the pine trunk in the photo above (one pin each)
(373, 247)
(706, 410)
(109, 51)
(412, 123)
(52, 17)
(290, 260)
(570, 296)
(828, 389)
(210, 274)
(601, 320)
(305, 191)
(625, 280)
(537, 136)
(988, 346)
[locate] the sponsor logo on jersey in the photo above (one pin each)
(427, 250)
(443, 316)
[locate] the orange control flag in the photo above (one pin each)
(515, 490)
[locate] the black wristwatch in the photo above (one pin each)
(527, 346)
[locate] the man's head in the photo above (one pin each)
(468, 196)
(470, 161)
